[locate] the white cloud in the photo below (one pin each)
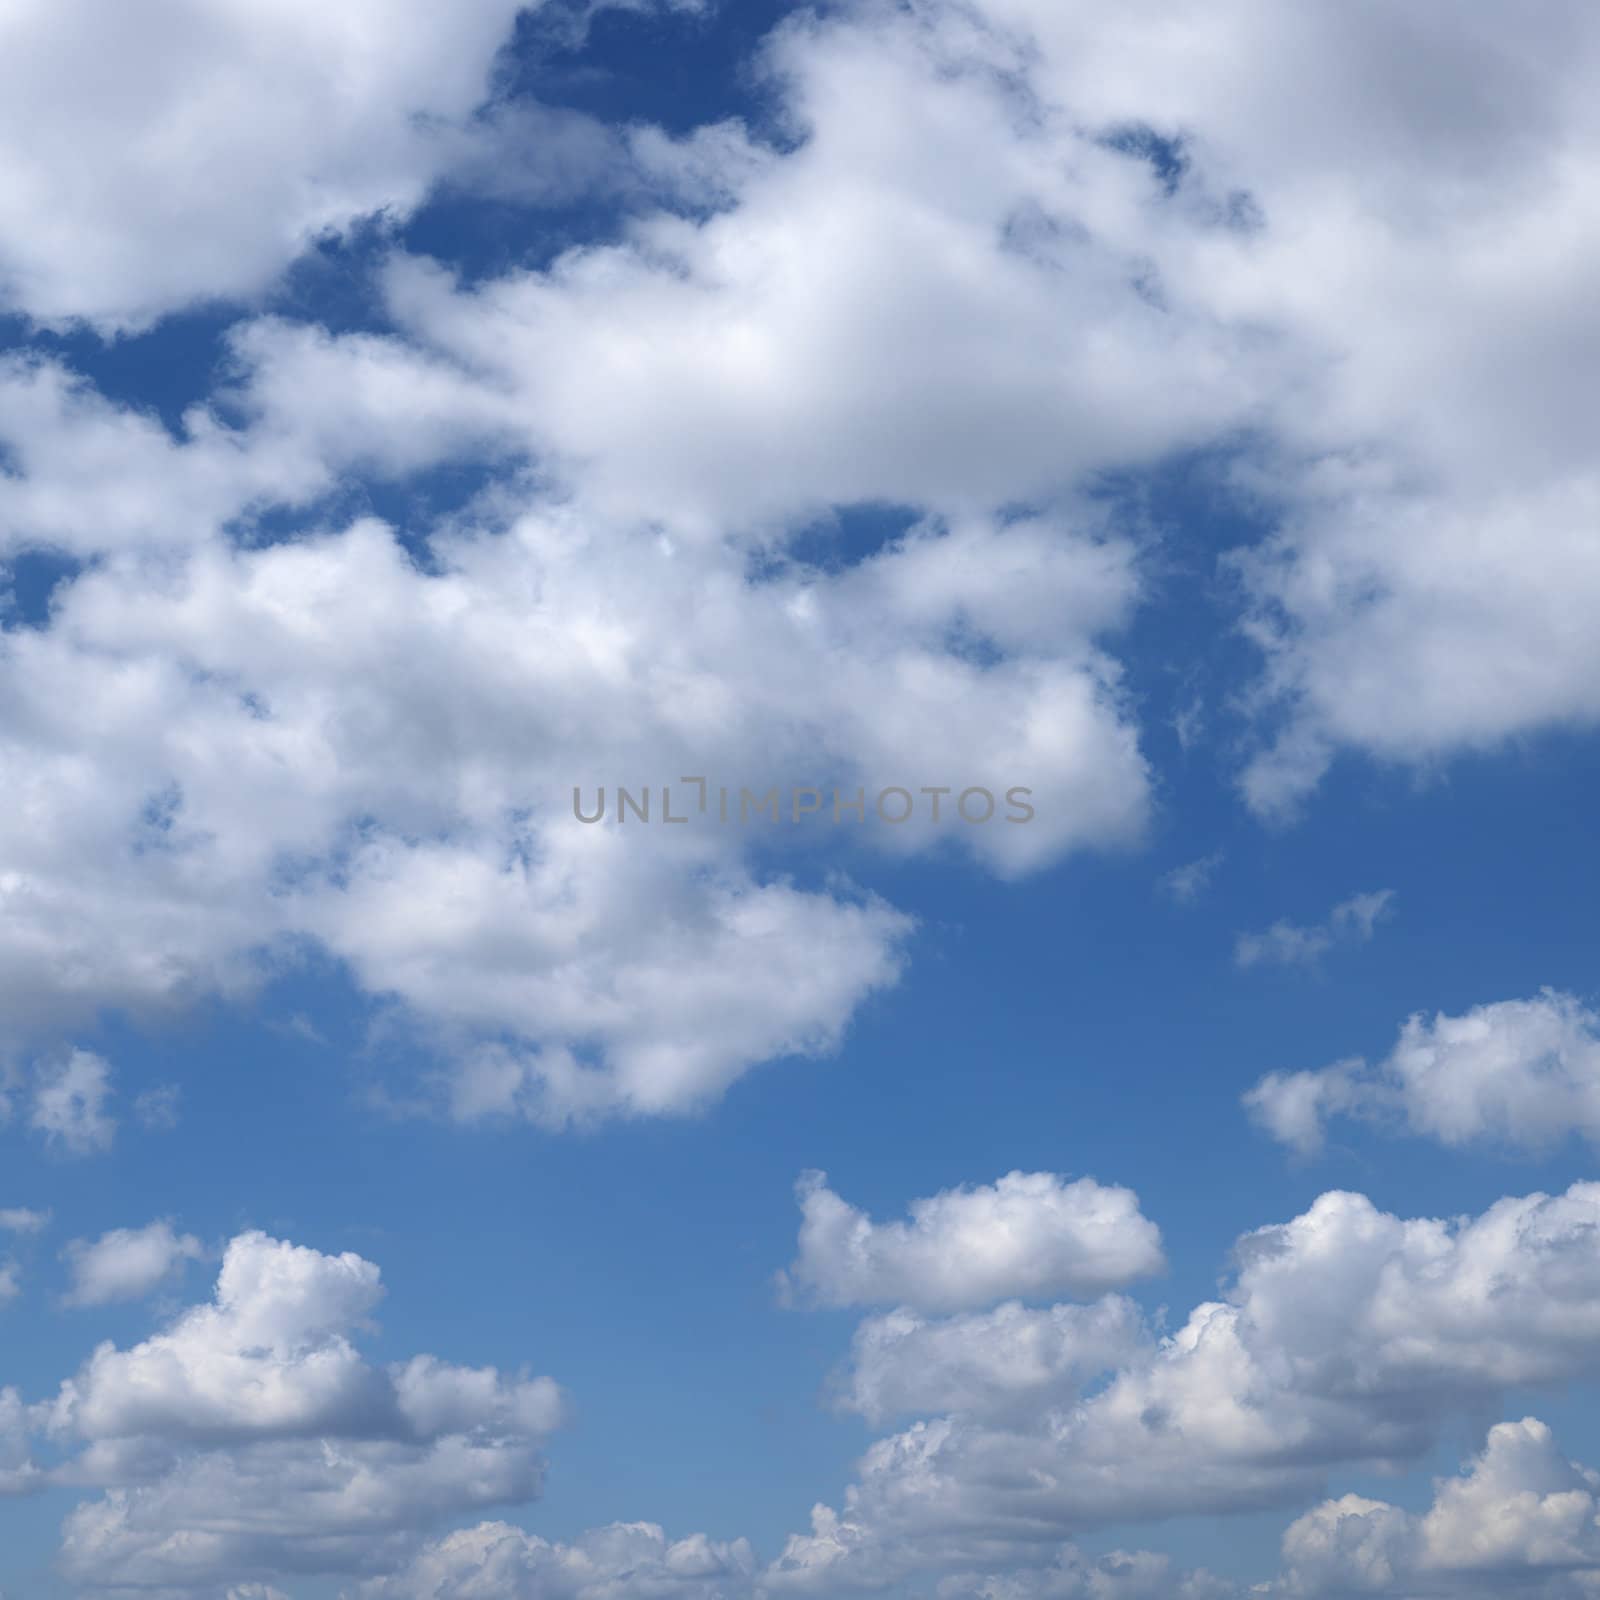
(17, 1221)
(1286, 944)
(1523, 1073)
(619, 630)
(260, 1399)
(1346, 1336)
(19, 1474)
(186, 152)
(626, 1561)
(1520, 1513)
(1073, 1575)
(1187, 883)
(157, 1108)
(1322, 274)
(69, 1103)
(938, 299)
(1418, 241)
(957, 292)
(635, 1561)
(241, 726)
(1007, 1363)
(1294, 1106)
(1029, 1234)
(127, 1263)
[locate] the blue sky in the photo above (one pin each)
(407, 1191)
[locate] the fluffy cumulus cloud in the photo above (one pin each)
(626, 1561)
(184, 151)
(1029, 1234)
(1520, 1516)
(795, 479)
(634, 1561)
(1519, 1073)
(1417, 232)
(1013, 1360)
(1346, 1337)
(1382, 272)
(1003, 251)
(941, 297)
(127, 1263)
(964, 287)
(250, 1439)
(269, 722)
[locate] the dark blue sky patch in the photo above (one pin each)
(678, 70)
(414, 507)
(1184, 656)
(163, 371)
(1167, 157)
(28, 585)
(482, 238)
(844, 538)
(334, 284)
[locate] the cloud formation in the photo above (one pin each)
(805, 470)
(1029, 1234)
(1347, 1337)
(1003, 253)
(69, 1103)
(192, 152)
(1520, 1514)
(626, 1561)
(1287, 944)
(250, 1439)
(126, 1263)
(1518, 1073)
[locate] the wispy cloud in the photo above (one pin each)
(1188, 883)
(1287, 944)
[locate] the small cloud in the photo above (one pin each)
(127, 1263)
(17, 1220)
(1524, 1074)
(1187, 883)
(69, 1103)
(1189, 724)
(157, 1109)
(1294, 1107)
(302, 1027)
(1360, 914)
(1285, 944)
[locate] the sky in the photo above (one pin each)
(1080, 523)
